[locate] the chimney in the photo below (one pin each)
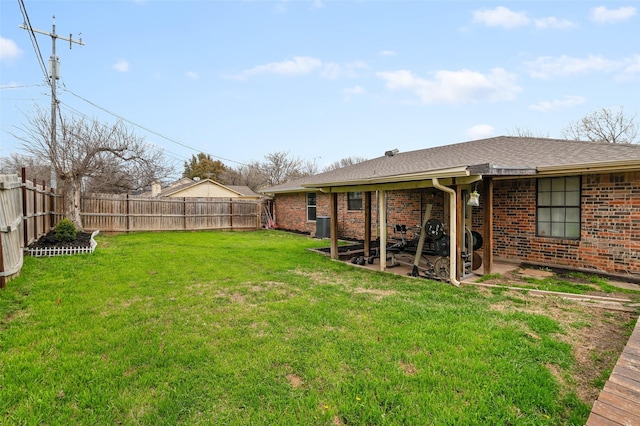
(156, 189)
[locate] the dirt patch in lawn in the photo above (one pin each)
(527, 278)
(596, 333)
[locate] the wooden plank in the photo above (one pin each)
(619, 370)
(626, 382)
(629, 363)
(615, 414)
(631, 357)
(620, 402)
(598, 420)
(623, 391)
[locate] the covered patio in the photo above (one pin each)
(457, 186)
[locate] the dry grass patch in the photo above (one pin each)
(594, 332)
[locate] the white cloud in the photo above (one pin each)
(122, 66)
(480, 131)
(553, 22)
(333, 70)
(12, 85)
(508, 19)
(355, 90)
(501, 17)
(303, 65)
(9, 50)
(602, 15)
(630, 69)
(558, 104)
(352, 91)
(192, 75)
(455, 86)
(547, 67)
(387, 53)
(299, 65)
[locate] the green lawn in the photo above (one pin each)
(252, 328)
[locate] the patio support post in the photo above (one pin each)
(460, 235)
(333, 205)
(382, 218)
(487, 220)
(367, 224)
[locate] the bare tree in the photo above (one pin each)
(37, 171)
(344, 162)
(89, 152)
(249, 175)
(526, 133)
(604, 126)
(278, 167)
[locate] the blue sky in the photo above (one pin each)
(324, 79)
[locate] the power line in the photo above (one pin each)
(34, 40)
(24, 86)
(173, 155)
(147, 129)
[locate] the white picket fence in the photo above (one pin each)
(63, 251)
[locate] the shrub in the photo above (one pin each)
(65, 231)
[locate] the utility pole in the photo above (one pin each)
(54, 68)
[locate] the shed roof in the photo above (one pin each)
(502, 156)
(184, 183)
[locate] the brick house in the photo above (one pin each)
(547, 202)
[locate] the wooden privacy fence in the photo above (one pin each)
(27, 211)
(116, 213)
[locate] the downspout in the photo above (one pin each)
(453, 231)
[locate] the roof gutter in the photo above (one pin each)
(609, 166)
(460, 171)
(453, 230)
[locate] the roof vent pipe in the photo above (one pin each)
(391, 153)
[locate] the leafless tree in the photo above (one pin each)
(249, 175)
(278, 167)
(526, 133)
(605, 125)
(89, 153)
(37, 172)
(344, 162)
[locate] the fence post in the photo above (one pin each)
(25, 222)
(127, 213)
(184, 212)
(52, 208)
(35, 210)
(3, 278)
(231, 213)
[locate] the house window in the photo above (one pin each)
(311, 206)
(354, 200)
(559, 207)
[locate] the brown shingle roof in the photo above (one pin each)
(505, 155)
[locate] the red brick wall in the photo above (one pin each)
(291, 213)
(403, 208)
(610, 234)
